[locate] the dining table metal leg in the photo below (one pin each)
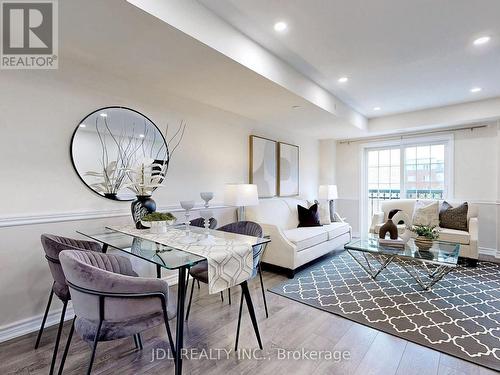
(158, 271)
(179, 336)
(251, 311)
(263, 291)
(187, 278)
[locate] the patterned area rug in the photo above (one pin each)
(460, 316)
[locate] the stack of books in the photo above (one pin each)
(399, 243)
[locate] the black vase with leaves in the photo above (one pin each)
(142, 206)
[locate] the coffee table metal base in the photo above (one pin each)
(371, 270)
(383, 260)
(435, 275)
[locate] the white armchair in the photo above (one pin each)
(466, 239)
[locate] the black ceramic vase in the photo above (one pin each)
(142, 206)
(390, 227)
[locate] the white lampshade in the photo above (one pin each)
(241, 195)
(328, 192)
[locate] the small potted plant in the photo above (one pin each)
(425, 236)
(158, 221)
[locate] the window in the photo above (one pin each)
(384, 176)
(418, 170)
(424, 171)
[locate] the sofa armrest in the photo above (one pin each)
(280, 251)
(337, 217)
(276, 234)
(473, 228)
(378, 218)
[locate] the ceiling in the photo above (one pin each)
(119, 39)
(399, 55)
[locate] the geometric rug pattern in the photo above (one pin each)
(460, 316)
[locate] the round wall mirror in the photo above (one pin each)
(114, 149)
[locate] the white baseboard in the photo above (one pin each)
(29, 325)
(488, 251)
(25, 326)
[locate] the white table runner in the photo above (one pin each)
(230, 262)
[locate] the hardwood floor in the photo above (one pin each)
(212, 325)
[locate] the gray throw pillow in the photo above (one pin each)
(453, 217)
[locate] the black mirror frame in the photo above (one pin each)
(83, 120)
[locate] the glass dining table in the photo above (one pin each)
(170, 258)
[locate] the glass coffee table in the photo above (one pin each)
(427, 267)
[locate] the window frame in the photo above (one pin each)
(446, 138)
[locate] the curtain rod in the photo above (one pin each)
(411, 134)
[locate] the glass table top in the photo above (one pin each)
(444, 253)
(165, 256)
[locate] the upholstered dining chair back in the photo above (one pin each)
(248, 228)
(200, 222)
(53, 245)
(108, 282)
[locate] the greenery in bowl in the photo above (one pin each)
(429, 232)
(159, 216)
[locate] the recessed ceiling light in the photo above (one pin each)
(482, 40)
(280, 26)
(83, 126)
(141, 135)
(343, 79)
(103, 115)
(376, 108)
(475, 89)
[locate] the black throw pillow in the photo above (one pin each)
(308, 217)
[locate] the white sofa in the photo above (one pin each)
(467, 239)
(292, 247)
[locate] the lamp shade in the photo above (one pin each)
(241, 195)
(328, 192)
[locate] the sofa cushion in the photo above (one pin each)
(336, 229)
(306, 237)
(454, 235)
(453, 217)
(426, 213)
(308, 217)
(324, 212)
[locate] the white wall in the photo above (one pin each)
(38, 114)
(327, 152)
(476, 179)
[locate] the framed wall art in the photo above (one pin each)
(288, 169)
(263, 165)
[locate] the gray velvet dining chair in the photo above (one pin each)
(53, 245)
(200, 222)
(110, 301)
(199, 271)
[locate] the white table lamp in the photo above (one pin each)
(241, 196)
(328, 192)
